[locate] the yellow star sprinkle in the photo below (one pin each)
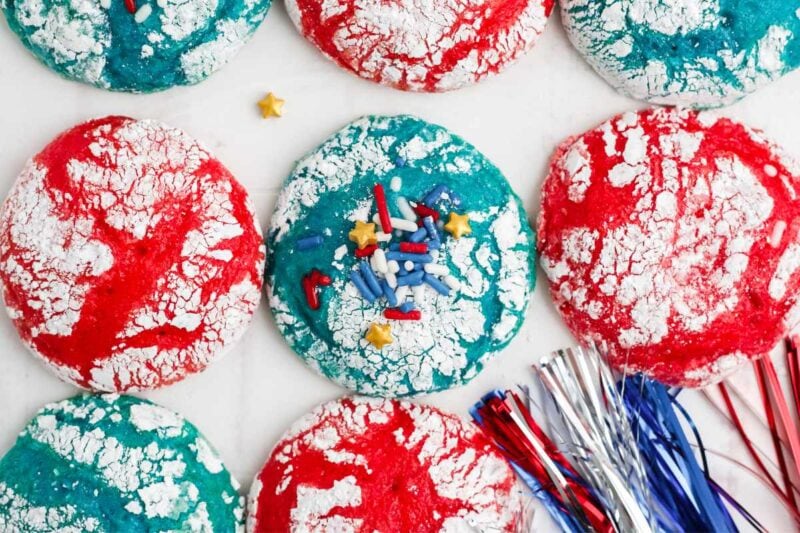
(271, 106)
(379, 335)
(363, 234)
(458, 225)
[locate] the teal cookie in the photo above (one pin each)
(114, 463)
(421, 306)
(134, 45)
(701, 53)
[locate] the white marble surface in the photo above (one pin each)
(244, 402)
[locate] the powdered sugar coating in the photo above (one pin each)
(361, 464)
(658, 235)
(165, 43)
(129, 256)
(331, 188)
(111, 463)
(422, 45)
(702, 53)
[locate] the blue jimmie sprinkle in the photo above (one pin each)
(433, 196)
(308, 243)
(391, 297)
(411, 280)
(394, 247)
(361, 285)
(430, 227)
(405, 307)
(406, 256)
(370, 278)
(454, 196)
(418, 235)
(437, 285)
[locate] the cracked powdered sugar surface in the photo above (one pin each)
(129, 256)
(166, 43)
(330, 188)
(127, 465)
(703, 53)
(422, 45)
(670, 235)
(361, 464)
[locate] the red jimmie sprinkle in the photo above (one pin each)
(383, 210)
(396, 314)
(131, 5)
(366, 251)
(423, 211)
(319, 278)
(414, 247)
(310, 290)
(311, 281)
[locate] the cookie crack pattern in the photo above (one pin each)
(671, 235)
(455, 331)
(114, 463)
(419, 45)
(378, 465)
(161, 44)
(129, 256)
(704, 53)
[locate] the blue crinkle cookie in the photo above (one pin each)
(134, 45)
(427, 309)
(109, 463)
(701, 53)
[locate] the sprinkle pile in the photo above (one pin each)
(403, 269)
(396, 270)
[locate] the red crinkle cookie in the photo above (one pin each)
(129, 255)
(422, 45)
(367, 464)
(674, 237)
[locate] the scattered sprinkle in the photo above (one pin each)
(363, 234)
(309, 243)
(379, 335)
(271, 106)
(311, 282)
(458, 225)
(383, 210)
(397, 314)
(142, 13)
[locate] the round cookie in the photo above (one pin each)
(135, 45)
(455, 294)
(702, 53)
(361, 464)
(674, 237)
(129, 256)
(421, 45)
(115, 463)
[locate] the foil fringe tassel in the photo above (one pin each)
(609, 456)
(780, 420)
